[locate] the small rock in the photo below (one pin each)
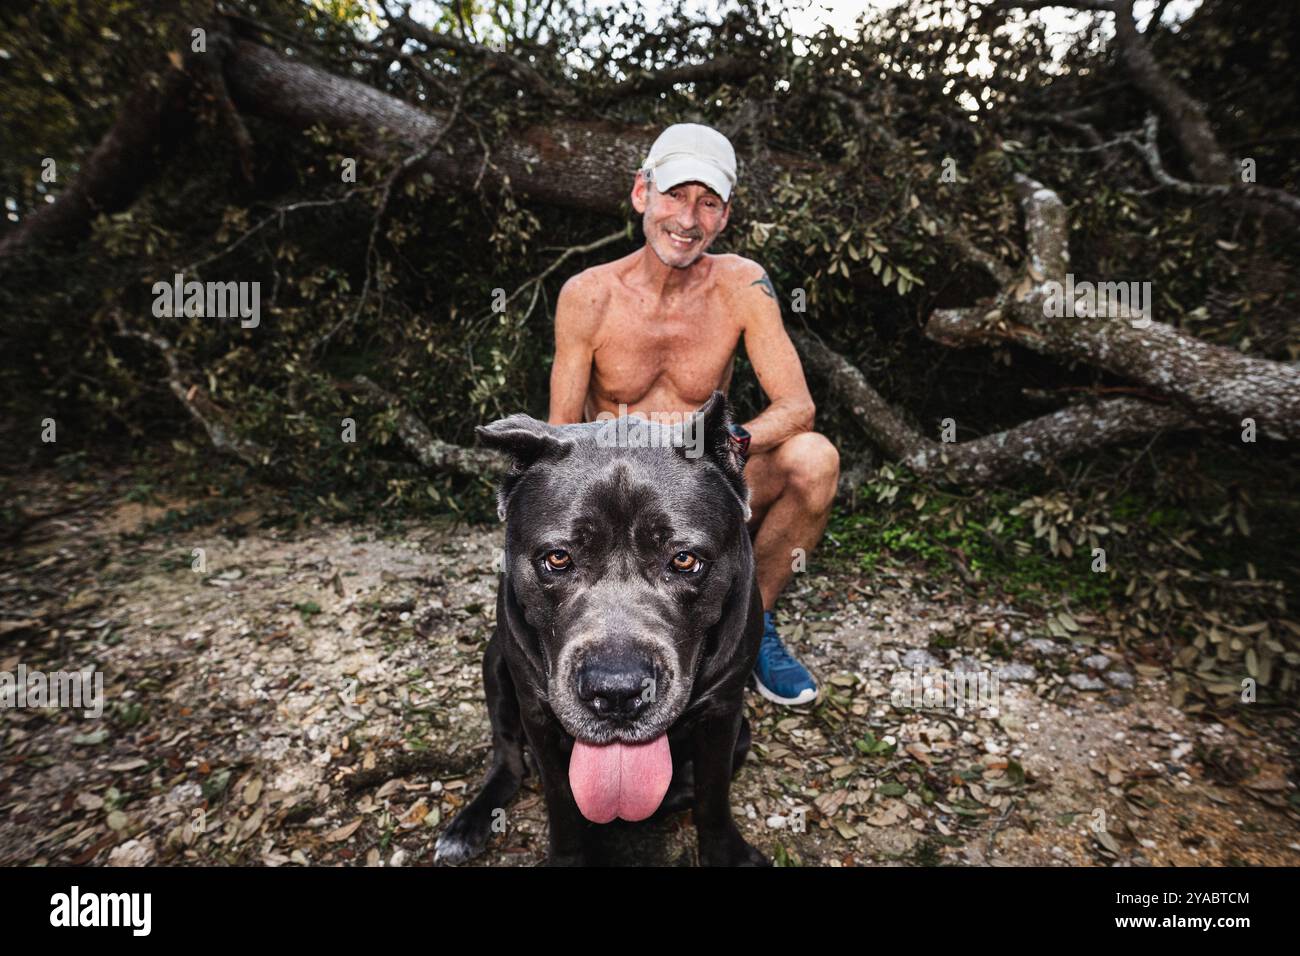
(1044, 645)
(1122, 679)
(919, 657)
(1085, 682)
(1097, 662)
(1017, 672)
(132, 853)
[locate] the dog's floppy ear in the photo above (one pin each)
(526, 441)
(709, 432)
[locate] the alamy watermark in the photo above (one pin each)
(213, 300)
(651, 430)
(75, 908)
(60, 689)
(1111, 300)
(936, 689)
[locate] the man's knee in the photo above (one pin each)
(812, 467)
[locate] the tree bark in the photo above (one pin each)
(1185, 116)
(115, 171)
(575, 164)
(1032, 444)
(1217, 382)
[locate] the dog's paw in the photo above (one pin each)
(754, 856)
(730, 849)
(459, 843)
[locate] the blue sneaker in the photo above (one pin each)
(780, 677)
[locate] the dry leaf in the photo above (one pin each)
(343, 832)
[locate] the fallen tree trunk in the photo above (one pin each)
(574, 164)
(119, 166)
(1033, 444)
(1211, 380)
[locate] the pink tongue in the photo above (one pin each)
(620, 780)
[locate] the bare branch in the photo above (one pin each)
(1186, 117)
(1065, 433)
(1047, 229)
(1036, 443)
(431, 453)
(505, 62)
(1216, 381)
(883, 425)
(724, 68)
(1150, 153)
(214, 419)
(536, 281)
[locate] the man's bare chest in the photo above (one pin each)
(688, 347)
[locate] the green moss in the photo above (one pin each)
(940, 539)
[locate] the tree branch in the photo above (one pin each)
(1150, 153)
(723, 68)
(1035, 443)
(1217, 381)
(1186, 117)
(214, 419)
(116, 170)
(521, 71)
(431, 453)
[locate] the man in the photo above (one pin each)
(657, 331)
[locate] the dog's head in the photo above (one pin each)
(628, 560)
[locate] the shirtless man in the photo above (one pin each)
(657, 331)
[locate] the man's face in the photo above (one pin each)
(679, 224)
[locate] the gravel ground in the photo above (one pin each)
(314, 698)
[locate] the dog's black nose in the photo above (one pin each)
(618, 690)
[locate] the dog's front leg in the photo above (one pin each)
(569, 830)
(720, 841)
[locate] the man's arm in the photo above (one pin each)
(775, 362)
(576, 313)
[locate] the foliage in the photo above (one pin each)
(944, 80)
(1188, 579)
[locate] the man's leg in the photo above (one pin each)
(792, 488)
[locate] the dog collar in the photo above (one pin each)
(739, 438)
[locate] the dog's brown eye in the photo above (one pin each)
(686, 562)
(558, 560)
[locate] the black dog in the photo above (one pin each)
(628, 621)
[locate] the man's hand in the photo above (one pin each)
(775, 362)
(576, 313)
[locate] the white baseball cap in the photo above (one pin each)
(689, 152)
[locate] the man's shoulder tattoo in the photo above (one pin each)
(766, 283)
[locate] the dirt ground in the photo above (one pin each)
(315, 698)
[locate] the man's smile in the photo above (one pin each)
(681, 241)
